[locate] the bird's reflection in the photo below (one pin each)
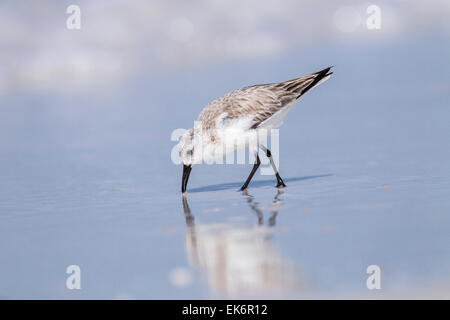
(240, 260)
(276, 205)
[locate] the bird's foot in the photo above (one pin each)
(281, 184)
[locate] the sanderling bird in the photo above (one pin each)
(233, 121)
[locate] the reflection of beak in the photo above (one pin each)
(187, 212)
(186, 173)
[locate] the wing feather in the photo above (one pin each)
(260, 101)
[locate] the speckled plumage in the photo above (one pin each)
(230, 123)
(237, 120)
(260, 101)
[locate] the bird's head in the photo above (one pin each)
(186, 151)
(186, 147)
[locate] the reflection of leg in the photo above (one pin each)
(255, 167)
(276, 199)
(273, 218)
(280, 182)
(276, 202)
(254, 207)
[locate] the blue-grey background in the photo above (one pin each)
(86, 176)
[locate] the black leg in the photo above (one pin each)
(255, 167)
(280, 182)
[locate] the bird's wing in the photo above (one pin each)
(263, 101)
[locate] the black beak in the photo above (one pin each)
(186, 173)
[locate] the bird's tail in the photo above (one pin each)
(299, 86)
(315, 79)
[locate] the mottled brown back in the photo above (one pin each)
(261, 101)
